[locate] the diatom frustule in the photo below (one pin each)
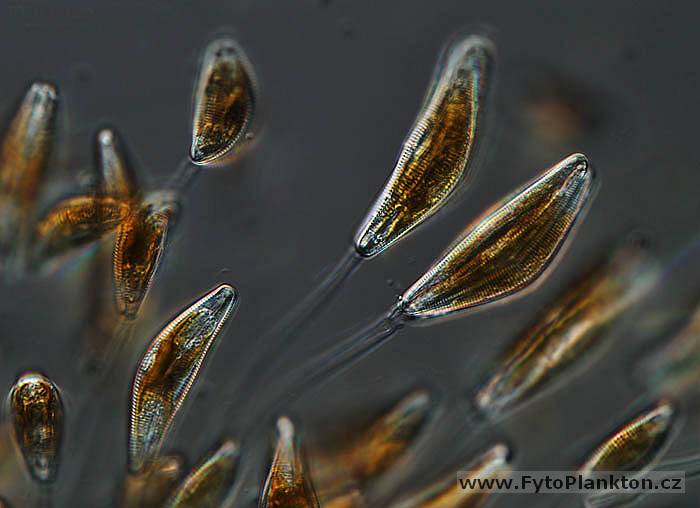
(168, 369)
(437, 153)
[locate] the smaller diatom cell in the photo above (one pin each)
(37, 417)
(436, 155)
(118, 178)
(224, 103)
(288, 484)
(209, 483)
(637, 445)
(509, 248)
(150, 487)
(168, 369)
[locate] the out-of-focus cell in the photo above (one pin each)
(352, 499)
(448, 493)
(209, 483)
(139, 245)
(24, 155)
(152, 487)
(168, 369)
(509, 248)
(77, 221)
(637, 445)
(288, 484)
(36, 413)
(437, 153)
(118, 179)
(224, 103)
(341, 474)
(574, 323)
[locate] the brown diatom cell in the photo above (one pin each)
(24, 155)
(448, 493)
(570, 327)
(37, 417)
(224, 103)
(288, 484)
(117, 176)
(637, 445)
(139, 245)
(209, 483)
(168, 369)
(437, 153)
(152, 487)
(507, 249)
(77, 221)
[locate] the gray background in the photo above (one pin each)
(340, 84)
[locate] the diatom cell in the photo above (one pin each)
(509, 248)
(36, 412)
(151, 487)
(288, 484)
(117, 176)
(436, 154)
(23, 158)
(569, 328)
(448, 493)
(209, 483)
(224, 103)
(168, 369)
(138, 248)
(77, 221)
(637, 445)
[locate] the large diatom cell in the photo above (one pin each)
(115, 171)
(208, 483)
(437, 153)
(288, 484)
(224, 103)
(168, 369)
(507, 249)
(36, 412)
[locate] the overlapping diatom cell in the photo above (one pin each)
(448, 493)
(637, 445)
(36, 412)
(24, 155)
(209, 483)
(438, 151)
(288, 484)
(151, 487)
(574, 323)
(224, 103)
(168, 369)
(138, 247)
(116, 173)
(509, 248)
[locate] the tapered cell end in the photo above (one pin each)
(43, 91)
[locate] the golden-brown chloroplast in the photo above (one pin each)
(224, 103)
(437, 153)
(36, 411)
(208, 483)
(507, 249)
(168, 369)
(288, 484)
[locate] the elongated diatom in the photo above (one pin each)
(138, 247)
(168, 369)
(23, 159)
(637, 445)
(117, 175)
(570, 327)
(449, 493)
(288, 484)
(152, 487)
(436, 155)
(36, 411)
(209, 483)
(224, 103)
(77, 221)
(509, 248)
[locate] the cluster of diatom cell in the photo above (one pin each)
(507, 250)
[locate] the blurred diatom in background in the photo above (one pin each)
(151, 487)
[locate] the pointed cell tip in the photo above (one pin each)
(106, 136)
(503, 453)
(44, 90)
(227, 292)
(285, 428)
